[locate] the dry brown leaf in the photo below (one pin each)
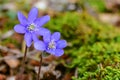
(12, 63)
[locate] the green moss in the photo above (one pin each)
(99, 5)
(9, 41)
(93, 5)
(9, 25)
(94, 47)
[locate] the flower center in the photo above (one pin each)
(52, 45)
(31, 27)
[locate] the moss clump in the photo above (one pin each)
(93, 46)
(9, 41)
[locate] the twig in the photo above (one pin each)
(18, 53)
(7, 34)
(76, 73)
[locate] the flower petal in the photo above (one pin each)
(42, 20)
(45, 33)
(59, 52)
(19, 28)
(39, 45)
(28, 39)
(35, 37)
(46, 38)
(22, 18)
(51, 51)
(61, 44)
(33, 14)
(55, 36)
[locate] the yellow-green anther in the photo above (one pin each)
(51, 45)
(31, 27)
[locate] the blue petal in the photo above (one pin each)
(45, 33)
(39, 45)
(19, 28)
(59, 52)
(55, 36)
(35, 37)
(22, 18)
(61, 44)
(51, 51)
(33, 14)
(28, 39)
(42, 20)
(46, 38)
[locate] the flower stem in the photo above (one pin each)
(24, 58)
(25, 55)
(38, 76)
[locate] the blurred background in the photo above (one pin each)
(91, 28)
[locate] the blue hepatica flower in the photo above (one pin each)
(51, 44)
(31, 26)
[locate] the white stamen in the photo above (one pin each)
(31, 27)
(51, 45)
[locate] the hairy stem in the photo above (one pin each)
(24, 58)
(25, 55)
(20, 76)
(38, 76)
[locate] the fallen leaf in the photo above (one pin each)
(2, 77)
(12, 63)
